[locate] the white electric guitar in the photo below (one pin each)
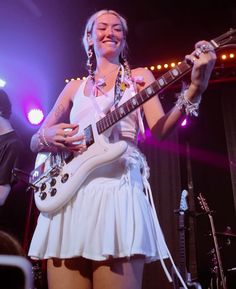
(57, 177)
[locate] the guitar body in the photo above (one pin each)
(58, 177)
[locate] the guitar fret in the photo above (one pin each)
(112, 117)
(134, 102)
(98, 126)
(127, 106)
(106, 123)
(142, 95)
(168, 77)
(108, 120)
(101, 124)
(115, 114)
(156, 86)
(175, 72)
(161, 81)
(183, 66)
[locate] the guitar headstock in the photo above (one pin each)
(226, 38)
(183, 201)
(203, 204)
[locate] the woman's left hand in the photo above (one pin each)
(203, 59)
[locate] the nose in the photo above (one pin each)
(110, 31)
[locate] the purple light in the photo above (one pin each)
(2, 82)
(35, 116)
(184, 122)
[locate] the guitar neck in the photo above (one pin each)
(182, 246)
(136, 101)
(220, 267)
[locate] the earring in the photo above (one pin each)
(90, 62)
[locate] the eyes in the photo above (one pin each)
(104, 27)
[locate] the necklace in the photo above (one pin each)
(101, 81)
(119, 88)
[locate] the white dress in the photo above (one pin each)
(113, 213)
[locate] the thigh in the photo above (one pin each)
(69, 273)
(119, 273)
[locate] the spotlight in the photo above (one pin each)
(35, 116)
(184, 122)
(2, 82)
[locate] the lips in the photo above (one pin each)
(110, 41)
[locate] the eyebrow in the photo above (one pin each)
(104, 23)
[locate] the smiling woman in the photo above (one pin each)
(101, 236)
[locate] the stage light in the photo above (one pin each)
(2, 82)
(184, 122)
(35, 116)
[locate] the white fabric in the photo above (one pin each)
(128, 127)
(113, 213)
(110, 216)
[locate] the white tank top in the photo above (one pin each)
(83, 106)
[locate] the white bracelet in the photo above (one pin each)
(189, 107)
(44, 139)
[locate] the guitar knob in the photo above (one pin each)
(53, 182)
(64, 178)
(55, 172)
(43, 195)
(53, 192)
(43, 187)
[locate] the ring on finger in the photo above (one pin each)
(198, 52)
(205, 48)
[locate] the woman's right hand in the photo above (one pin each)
(64, 136)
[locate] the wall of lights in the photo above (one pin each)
(223, 58)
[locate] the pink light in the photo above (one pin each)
(184, 122)
(35, 116)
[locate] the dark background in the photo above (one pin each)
(40, 47)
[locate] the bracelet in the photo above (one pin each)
(189, 107)
(44, 139)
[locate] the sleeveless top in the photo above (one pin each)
(126, 128)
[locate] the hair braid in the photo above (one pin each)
(90, 63)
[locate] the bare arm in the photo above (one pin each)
(4, 192)
(52, 132)
(162, 124)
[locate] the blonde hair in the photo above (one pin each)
(90, 23)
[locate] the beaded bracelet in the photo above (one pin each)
(44, 139)
(189, 107)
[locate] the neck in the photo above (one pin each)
(105, 67)
(5, 126)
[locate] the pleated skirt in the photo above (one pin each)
(110, 216)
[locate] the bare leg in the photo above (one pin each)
(118, 273)
(69, 273)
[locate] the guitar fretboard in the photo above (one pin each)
(130, 105)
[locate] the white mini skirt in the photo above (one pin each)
(112, 215)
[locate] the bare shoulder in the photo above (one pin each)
(71, 88)
(145, 73)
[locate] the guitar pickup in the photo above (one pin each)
(89, 138)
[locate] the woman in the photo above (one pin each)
(103, 236)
